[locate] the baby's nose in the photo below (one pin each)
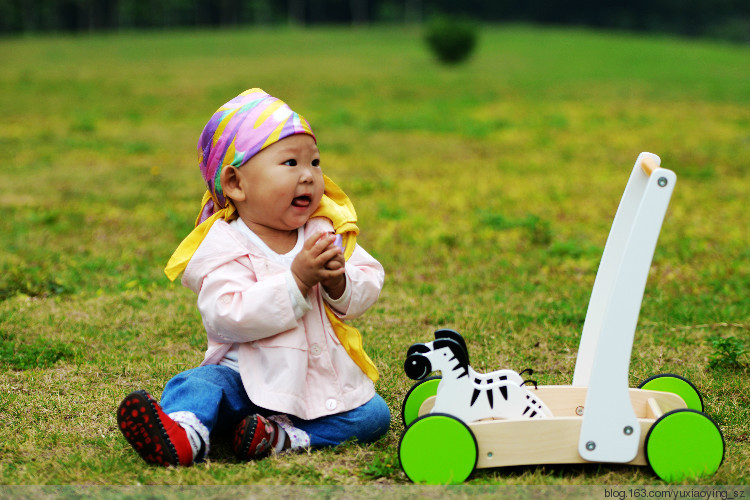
(306, 175)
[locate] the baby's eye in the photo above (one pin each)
(291, 163)
(316, 163)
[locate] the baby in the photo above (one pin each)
(276, 267)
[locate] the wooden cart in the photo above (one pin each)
(463, 420)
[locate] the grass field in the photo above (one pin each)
(486, 190)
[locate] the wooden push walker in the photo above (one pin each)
(464, 420)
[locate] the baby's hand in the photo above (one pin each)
(319, 260)
(335, 286)
(338, 260)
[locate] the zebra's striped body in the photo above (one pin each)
(463, 392)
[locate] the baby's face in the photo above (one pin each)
(284, 184)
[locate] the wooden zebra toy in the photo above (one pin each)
(466, 394)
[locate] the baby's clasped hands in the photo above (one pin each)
(321, 260)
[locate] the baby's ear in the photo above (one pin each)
(230, 183)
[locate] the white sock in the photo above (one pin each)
(197, 433)
(297, 437)
(280, 438)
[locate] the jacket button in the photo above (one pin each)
(331, 404)
(315, 349)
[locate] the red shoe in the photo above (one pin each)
(254, 437)
(157, 438)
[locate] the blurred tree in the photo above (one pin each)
(721, 18)
(359, 10)
(451, 39)
(413, 11)
(296, 12)
(261, 11)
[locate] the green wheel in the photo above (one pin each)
(438, 449)
(417, 395)
(683, 445)
(668, 382)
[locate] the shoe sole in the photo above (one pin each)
(139, 422)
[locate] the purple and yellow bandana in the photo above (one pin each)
(236, 132)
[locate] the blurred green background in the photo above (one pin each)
(485, 188)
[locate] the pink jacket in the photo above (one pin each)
(292, 366)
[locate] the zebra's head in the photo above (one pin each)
(446, 353)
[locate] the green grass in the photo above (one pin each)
(486, 190)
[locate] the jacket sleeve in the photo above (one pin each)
(365, 277)
(237, 306)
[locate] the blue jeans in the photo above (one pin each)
(216, 396)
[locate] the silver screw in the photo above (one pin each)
(579, 411)
(628, 430)
(662, 181)
(590, 446)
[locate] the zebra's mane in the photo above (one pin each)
(459, 353)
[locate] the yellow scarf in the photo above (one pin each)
(335, 206)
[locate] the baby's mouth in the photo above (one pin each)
(301, 201)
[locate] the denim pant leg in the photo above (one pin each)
(366, 423)
(213, 393)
